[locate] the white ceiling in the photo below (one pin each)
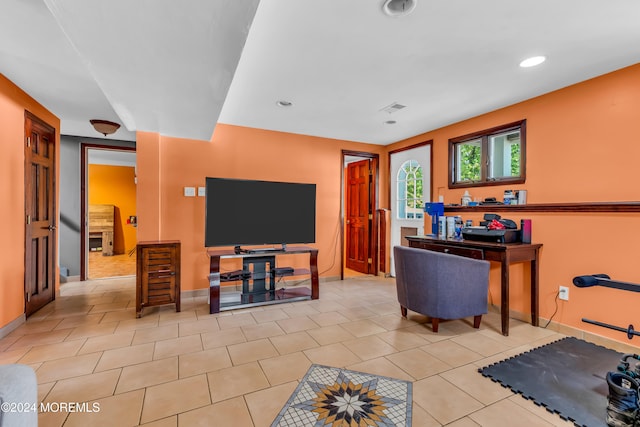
(178, 67)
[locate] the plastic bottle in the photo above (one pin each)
(466, 198)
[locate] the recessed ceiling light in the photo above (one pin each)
(398, 7)
(284, 103)
(533, 61)
(390, 122)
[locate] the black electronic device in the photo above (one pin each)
(249, 212)
(235, 275)
(282, 271)
(485, 235)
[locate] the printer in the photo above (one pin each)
(493, 229)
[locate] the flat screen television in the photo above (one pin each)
(248, 212)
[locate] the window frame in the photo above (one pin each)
(484, 136)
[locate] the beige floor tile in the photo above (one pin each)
(336, 355)
(177, 346)
(381, 366)
(45, 325)
(106, 342)
(495, 416)
(125, 356)
(155, 334)
(52, 419)
(172, 398)
(540, 411)
(12, 356)
(443, 401)
(67, 367)
(283, 369)
(418, 363)
(134, 324)
(117, 316)
(169, 316)
(361, 328)
(452, 353)
(41, 338)
(464, 422)
(401, 339)
(42, 353)
(297, 324)
(223, 338)
(251, 351)
(44, 389)
(84, 388)
(83, 319)
(369, 347)
(87, 331)
(475, 384)
(358, 313)
(148, 374)
(265, 405)
(421, 418)
(330, 334)
(481, 343)
(171, 421)
(328, 318)
(236, 321)
(110, 306)
(271, 315)
(299, 309)
(293, 342)
(262, 330)
(203, 361)
(236, 381)
(391, 322)
(125, 408)
(198, 327)
(231, 412)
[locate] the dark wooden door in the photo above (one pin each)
(358, 216)
(40, 213)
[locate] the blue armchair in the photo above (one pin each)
(441, 286)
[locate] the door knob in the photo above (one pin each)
(51, 227)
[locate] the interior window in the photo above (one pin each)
(410, 203)
(490, 157)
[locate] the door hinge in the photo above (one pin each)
(370, 216)
(28, 141)
(370, 260)
(27, 296)
(28, 219)
(370, 172)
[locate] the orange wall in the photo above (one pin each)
(583, 145)
(13, 103)
(115, 185)
(166, 165)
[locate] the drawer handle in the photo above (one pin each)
(446, 251)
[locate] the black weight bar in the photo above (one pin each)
(629, 330)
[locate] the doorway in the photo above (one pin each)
(410, 183)
(360, 187)
(40, 213)
(108, 209)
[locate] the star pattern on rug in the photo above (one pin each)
(349, 403)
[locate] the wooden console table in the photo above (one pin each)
(504, 253)
(259, 287)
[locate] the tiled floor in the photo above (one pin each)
(101, 267)
(238, 368)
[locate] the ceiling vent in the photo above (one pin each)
(398, 7)
(392, 108)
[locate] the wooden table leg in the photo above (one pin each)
(535, 304)
(504, 295)
(313, 266)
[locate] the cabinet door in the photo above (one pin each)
(159, 282)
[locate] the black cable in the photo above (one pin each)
(554, 312)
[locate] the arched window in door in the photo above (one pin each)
(410, 203)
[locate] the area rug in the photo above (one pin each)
(567, 377)
(336, 397)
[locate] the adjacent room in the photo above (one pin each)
(293, 213)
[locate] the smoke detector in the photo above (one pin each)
(398, 7)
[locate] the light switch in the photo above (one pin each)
(202, 191)
(189, 191)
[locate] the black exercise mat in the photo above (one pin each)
(567, 377)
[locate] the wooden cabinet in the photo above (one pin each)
(157, 274)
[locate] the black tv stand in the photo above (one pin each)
(259, 276)
(239, 250)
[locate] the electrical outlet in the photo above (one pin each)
(564, 293)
